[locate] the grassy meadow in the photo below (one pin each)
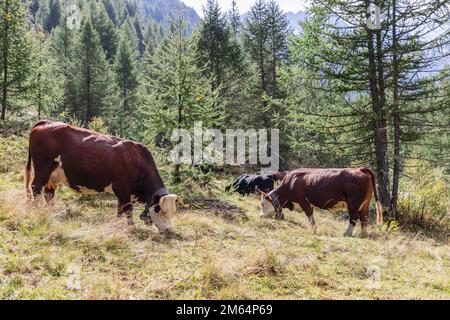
(78, 249)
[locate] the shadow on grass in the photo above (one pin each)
(146, 234)
(226, 211)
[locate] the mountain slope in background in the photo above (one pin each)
(295, 18)
(164, 11)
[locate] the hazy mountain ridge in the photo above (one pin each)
(164, 11)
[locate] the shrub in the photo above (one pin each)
(424, 200)
(13, 154)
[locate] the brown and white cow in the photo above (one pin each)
(91, 162)
(328, 189)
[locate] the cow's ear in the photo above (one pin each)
(181, 201)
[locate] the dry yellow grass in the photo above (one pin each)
(78, 249)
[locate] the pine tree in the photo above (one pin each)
(46, 91)
(277, 25)
(265, 35)
(129, 32)
(54, 14)
(234, 18)
(139, 35)
(373, 79)
(91, 85)
(105, 29)
(111, 11)
(220, 51)
(178, 92)
(214, 42)
(126, 70)
(34, 8)
(15, 58)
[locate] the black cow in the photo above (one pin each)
(250, 183)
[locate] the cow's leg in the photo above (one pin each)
(49, 194)
(125, 207)
(363, 216)
(353, 217)
(308, 210)
(41, 178)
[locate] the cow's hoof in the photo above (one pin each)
(348, 235)
(130, 223)
(279, 216)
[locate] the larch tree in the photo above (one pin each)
(178, 92)
(46, 81)
(15, 54)
(373, 79)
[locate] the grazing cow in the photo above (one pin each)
(91, 162)
(329, 189)
(249, 183)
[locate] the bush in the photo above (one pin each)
(424, 200)
(13, 154)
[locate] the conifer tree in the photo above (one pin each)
(54, 14)
(105, 29)
(46, 81)
(91, 85)
(178, 92)
(15, 54)
(126, 70)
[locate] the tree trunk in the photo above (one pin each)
(380, 129)
(396, 114)
(263, 84)
(5, 68)
(125, 103)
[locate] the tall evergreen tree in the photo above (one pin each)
(214, 42)
(46, 83)
(265, 37)
(277, 25)
(139, 35)
(91, 85)
(235, 18)
(109, 7)
(373, 75)
(126, 70)
(105, 29)
(54, 14)
(15, 53)
(178, 91)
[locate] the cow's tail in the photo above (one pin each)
(375, 193)
(27, 175)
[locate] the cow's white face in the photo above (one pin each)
(163, 213)
(267, 208)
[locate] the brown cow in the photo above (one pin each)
(91, 162)
(328, 189)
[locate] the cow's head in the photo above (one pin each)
(267, 206)
(162, 212)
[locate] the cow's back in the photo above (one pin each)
(325, 188)
(89, 160)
